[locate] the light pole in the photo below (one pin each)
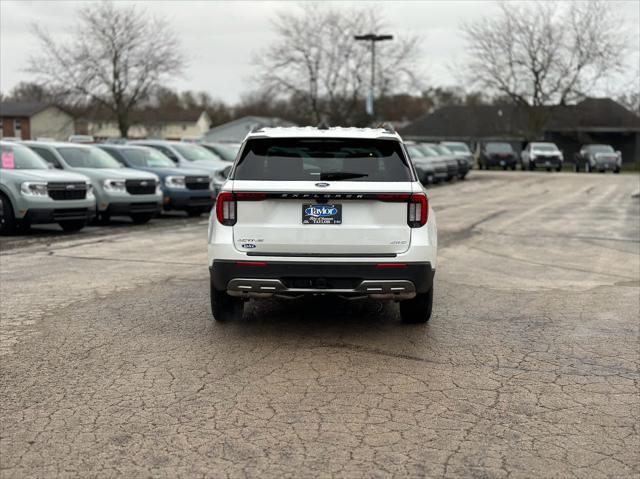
(373, 38)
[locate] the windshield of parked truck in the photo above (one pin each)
(601, 149)
(415, 152)
(330, 159)
(192, 152)
(88, 158)
(146, 158)
(547, 147)
(227, 152)
(499, 148)
(16, 157)
(457, 147)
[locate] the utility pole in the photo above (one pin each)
(373, 38)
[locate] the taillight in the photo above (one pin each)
(417, 210)
(226, 208)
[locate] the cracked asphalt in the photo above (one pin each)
(110, 365)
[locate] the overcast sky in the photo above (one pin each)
(220, 38)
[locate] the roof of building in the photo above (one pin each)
(510, 120)
(22, 108)
(254, 121)
(314, 132)
(148, 115)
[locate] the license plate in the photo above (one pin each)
(502, 163)
(321, 214)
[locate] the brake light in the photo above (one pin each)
(417, 210)
(252, 264)
(226, 208)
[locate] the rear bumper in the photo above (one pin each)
(381, 280)
(54, 215)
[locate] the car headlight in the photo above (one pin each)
(175, 182)
(34, 189)
(114, 185)
(90, 191)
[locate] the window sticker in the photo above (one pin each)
(7, 160)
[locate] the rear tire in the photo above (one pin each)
(576, 168)
(616, 171)
(141, 218)
(223, 307)
(8, 223)
(418, 309)
(71, 226)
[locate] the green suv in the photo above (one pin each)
(31, 192)
(119, 191)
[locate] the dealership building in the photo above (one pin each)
(593, 120)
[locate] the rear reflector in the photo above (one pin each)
(391, 265)
(251, 263)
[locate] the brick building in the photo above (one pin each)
(33, 120)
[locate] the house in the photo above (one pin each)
(33, 120)
(166, 123)
(236, 130)
(593, 120)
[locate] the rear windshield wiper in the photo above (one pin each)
(341, 175)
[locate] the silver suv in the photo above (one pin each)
(119, 191)
(31, 192)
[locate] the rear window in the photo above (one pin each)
(312, 159)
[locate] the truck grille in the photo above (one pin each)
(67, 190)
(141, 187)
(197, 182)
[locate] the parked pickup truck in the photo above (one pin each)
(183, 189)
(119, 191)
(322, 211)
(31, 192)
(598, 158)
(542, 155)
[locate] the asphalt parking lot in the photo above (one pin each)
(529, 366)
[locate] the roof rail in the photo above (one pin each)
(323, 125)
(387, 126)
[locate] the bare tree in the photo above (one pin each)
(117, 55)
(546, 53)
(316, 60)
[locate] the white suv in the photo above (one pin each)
(322, 211)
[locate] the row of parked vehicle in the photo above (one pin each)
(547, 156)
(72, 184)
